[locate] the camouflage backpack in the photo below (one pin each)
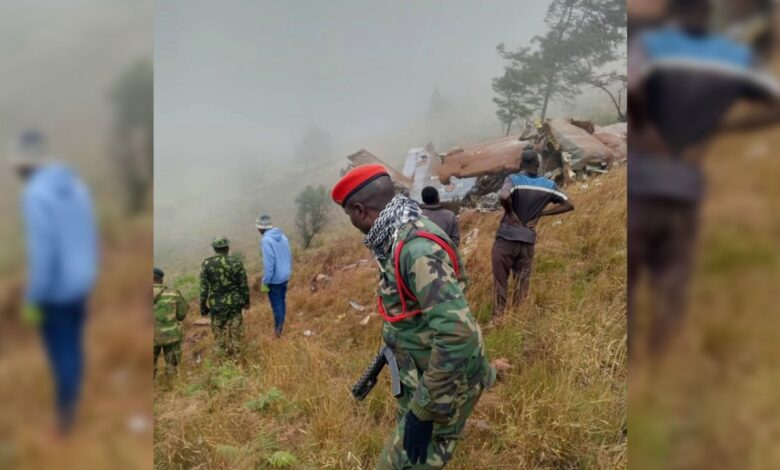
(170, 309)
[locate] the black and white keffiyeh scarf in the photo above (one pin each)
(399, 211)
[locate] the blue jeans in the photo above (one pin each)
(277, 294)
(62, 333)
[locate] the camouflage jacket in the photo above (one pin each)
(440, 351)
(223, 286)
(170, 309)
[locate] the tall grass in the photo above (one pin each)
(286, 403)
(711, 402)
(113, 427)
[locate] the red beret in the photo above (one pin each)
(355, 180)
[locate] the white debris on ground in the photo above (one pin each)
(488, 203)
(357, 306)
(320, 281)
(469, 243)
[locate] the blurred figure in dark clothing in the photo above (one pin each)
(442, 217)
(62, 256)
(683, 79)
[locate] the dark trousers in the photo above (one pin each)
(172, 354)
(62, 332)
(511, 257)
(661, 242)
(277, 294)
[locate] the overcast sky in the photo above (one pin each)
(237, 83)
(246, 75)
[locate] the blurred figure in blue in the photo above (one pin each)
(62, 258)
(683, 80)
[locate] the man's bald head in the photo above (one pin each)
(364, 206)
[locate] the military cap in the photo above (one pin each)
(355, 180)
(220, 242)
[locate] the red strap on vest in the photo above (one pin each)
(403, 289)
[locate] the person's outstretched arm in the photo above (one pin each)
(558, 208)
(505, 197)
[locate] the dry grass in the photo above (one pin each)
(712, 402)
(563, 405)
(114, 427)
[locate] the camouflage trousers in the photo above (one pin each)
(228, 333)
(445, 435)
(172, 354)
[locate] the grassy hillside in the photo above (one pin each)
(287, 402)
(114, 427)
(712, 401)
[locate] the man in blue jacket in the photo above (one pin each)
(62, 256)
(277, 267)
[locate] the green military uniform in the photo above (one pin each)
(440, 352)
(170, 309)
(224, 293)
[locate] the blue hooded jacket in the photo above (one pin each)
(62, 240)
(277, 260)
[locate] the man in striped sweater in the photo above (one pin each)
(524, 196)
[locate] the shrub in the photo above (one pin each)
(313, 204)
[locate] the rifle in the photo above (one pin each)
(363, 387)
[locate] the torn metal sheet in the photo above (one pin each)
(487, 158)
(422, 166)
(615, 137)
(364, 157)
(585, 150)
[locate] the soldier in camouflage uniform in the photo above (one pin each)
(170, 309)
(437, 342)
(224, 294)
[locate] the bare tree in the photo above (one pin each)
(606, 83)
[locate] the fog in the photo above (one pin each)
(58, 63)
(238, 83)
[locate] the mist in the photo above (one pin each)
(59, 62)
(237, 85)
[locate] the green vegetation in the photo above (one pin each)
(132, 97)
(314, 204)
(189, 285)
(263, 401)
(583, 37)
